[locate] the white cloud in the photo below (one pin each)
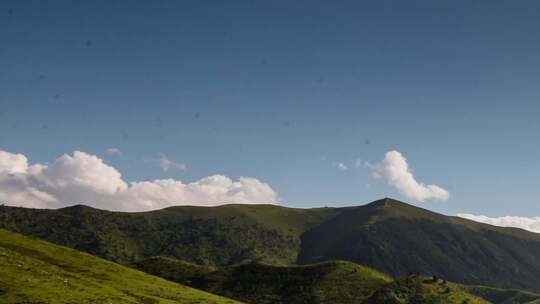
(114, 151)
(208, 191)
(395, 170)
(18, 189)
(166, 164)
(12, 163)
(358, 163)
(340, 166)
(527, 223)
(84, 178)
(81, 178)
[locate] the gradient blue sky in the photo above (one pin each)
(280, 90)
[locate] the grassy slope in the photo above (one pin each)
(503, 296)
(213, 236)
(330, 282)
(172, 269)
(33, 271)
(422, 289)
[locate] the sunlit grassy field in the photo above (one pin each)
(33, 271)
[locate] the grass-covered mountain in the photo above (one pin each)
(221, 235)
(33, 271)
(387, 235)
(214, 236)
(423, 289)
(397, 238)
(328, 283)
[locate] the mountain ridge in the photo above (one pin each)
(388, 235)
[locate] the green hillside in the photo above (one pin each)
(172, 269)
(210, 236)
(503, 296)
(33, 271)
(422, 289)
(387, 235)
(330, 282)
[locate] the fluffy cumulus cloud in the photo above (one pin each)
(527, 223)
(12, 163)
(208, 191)
(82, 178)
(395, 170)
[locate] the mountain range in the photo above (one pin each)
(211, 248)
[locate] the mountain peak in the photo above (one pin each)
(78, 208)
(389, 203)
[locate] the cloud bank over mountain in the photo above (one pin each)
(82, 178)
(527, 223)
(395, 170)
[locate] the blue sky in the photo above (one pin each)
(282, 91)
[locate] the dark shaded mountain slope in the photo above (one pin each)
(397, 238)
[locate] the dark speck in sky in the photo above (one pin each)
(367, 141)
(125, 135)
(322, 81)
(88, 43)
(10, 11)
(197, 115)
(264, 60)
